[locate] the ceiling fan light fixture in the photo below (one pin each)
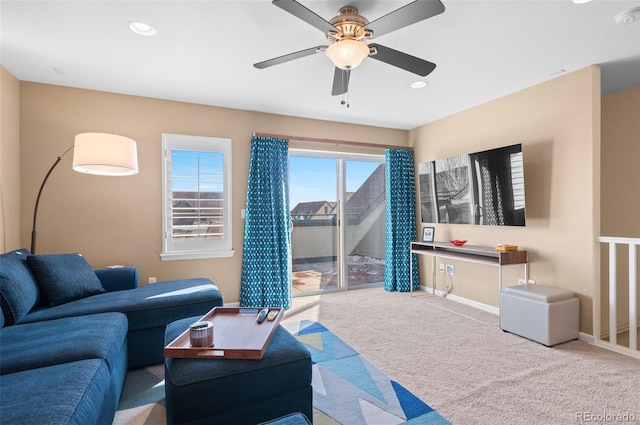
(347, 54)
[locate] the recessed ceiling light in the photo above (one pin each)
(418, 84)
(142, 28)
(581, 1)
(628, 17)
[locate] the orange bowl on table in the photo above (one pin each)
(458, 242)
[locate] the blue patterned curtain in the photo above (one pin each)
(401, 220)
(266, 255)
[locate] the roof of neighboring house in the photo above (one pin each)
(308, 208)
(197, 195)
(369, 194)
(359, 203)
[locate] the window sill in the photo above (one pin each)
(175, 256)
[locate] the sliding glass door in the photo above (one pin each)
(364, 219)
(313, 196)
(337, 205)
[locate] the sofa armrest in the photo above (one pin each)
(118, 278)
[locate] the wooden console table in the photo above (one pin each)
(471, 253)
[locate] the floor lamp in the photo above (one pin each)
(100, 154)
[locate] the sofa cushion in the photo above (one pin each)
(64, 277)
(146, 307)
(76, 393)
(42, 344)
(18, 289)
(118, 278)
(149, 309)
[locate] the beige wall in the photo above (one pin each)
(9, 161)
(620, 190)
(621, 163)
(118, 220)
(558, 124)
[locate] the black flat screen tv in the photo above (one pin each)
(484, 188)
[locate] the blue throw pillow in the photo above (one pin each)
(64, 277)
(19, 291)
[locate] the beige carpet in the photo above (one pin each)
(457, 360)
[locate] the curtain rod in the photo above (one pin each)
(333, 142)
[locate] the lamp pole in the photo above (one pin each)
(35, 211)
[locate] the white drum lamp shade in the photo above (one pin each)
(105, 155)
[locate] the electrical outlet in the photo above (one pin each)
(450, 269)
(530, 282)
(152, 280)
(441, 268)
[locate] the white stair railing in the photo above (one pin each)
(614, 286)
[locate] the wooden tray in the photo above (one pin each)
(236, 335)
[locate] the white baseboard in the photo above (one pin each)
(621, 329)
(481, 306)
(584, 337)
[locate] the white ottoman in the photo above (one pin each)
(541, 313)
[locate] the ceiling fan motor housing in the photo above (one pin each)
(350, 26)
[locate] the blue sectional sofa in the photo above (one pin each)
(68, 334)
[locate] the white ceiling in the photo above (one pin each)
(205, 51)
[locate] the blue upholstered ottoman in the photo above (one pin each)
(292, 419)
(223, 391)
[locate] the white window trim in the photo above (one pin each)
(213, 144)
(196, 255)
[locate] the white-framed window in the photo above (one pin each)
(196, 197)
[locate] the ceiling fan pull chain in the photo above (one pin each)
(344, 74)
(343, 102)
(343, 82)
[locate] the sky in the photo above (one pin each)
(314, 179)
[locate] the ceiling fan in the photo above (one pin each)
(350, 34)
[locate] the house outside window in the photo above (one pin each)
(196, 197)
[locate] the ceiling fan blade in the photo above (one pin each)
(290, 57)
(402, 60)
(416, 11)
(340, 81)
(299, 11)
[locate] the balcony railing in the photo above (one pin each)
(618, 288)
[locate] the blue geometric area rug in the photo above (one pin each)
(347, 388)
(350, 390)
